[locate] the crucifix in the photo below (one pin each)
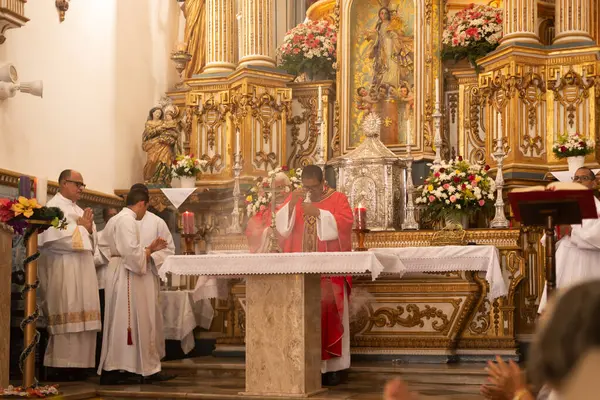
(273, 241)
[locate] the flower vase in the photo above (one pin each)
(187, 182)
(575, 163)
(457, 220)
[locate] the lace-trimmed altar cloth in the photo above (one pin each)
(181, 314)
(454, 258)
(240, 265)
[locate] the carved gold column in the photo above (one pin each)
(520, 22)
(257, 46)
(573, 22)
(221, 36)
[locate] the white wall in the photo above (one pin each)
(103, 68)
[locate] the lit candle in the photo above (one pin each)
(320, 100)
(408, 132)
(189, 224)
(25, 186)
(41, 190)
(437, 90)
(360, 216)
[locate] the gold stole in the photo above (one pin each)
(309, 237)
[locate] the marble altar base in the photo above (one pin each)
(283, 348)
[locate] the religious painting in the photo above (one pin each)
(382, 67)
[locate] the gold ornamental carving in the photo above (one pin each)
(390, 317)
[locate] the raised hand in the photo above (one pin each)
(310, 210)
(157, 244)
(297, 195)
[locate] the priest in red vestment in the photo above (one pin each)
(317, 218)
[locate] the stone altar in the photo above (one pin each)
(283, 310)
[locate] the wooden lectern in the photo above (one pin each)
(549, 209)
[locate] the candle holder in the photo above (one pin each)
(190, 244)
(409, 217)
(437, 127)
(360, 237)
(320, 151)
(273, 240)
(180, 59)
(499, 220)
(235, 213)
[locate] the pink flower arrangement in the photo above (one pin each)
(472, 33)
(310, 47)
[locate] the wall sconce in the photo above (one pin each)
(62, 6)
(9, 86)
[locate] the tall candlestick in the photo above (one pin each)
(41, 190)
(189, 224)
(360, 216)
(437, 90)
(25, 186)
(408, 132)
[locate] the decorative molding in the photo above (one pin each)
(12, 15)
(10, 178)
(62, 6)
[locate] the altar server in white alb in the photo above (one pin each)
(153, 227)
(68, 284)
(129, 340)
(578, 253)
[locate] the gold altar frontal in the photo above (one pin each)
(436, 316)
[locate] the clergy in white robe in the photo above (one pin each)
(578, 256)
(68, 284)
(153, 227)
(129, 340)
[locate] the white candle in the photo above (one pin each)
(238, 146)
(557, 75)
(320, 100)
(408, 132)
(41, 190)
(499, 125)
(437, 90)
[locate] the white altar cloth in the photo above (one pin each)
(239, 265)
(181, 315)
(454, 258)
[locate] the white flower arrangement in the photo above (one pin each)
(472, 33)
(309, 47)
(259, 198)
(456, 187)
(572, 145)
(187, 166)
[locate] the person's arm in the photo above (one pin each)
(159, 257)
(587, 236)
(330, 224)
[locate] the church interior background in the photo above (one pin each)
(208, 75)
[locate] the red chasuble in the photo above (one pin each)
(304, 239)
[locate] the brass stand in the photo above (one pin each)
(31, 313)
(360, 236)
(189, 250)
(273, 240)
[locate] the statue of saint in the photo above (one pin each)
(159, 142)
(195, 35)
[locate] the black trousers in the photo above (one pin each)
(99, 338)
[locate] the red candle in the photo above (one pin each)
(360, 216)
(189, 225)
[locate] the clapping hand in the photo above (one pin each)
(505, 380)
(87, 220)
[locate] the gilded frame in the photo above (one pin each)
(427, 59)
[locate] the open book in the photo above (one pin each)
(554, 186)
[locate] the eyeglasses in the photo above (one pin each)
(582, 178)
(80, 185)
